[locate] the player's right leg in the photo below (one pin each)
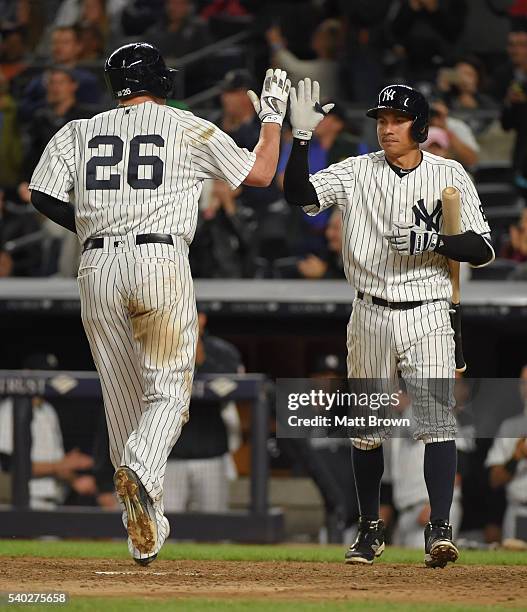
(164, 326)
(370, 356)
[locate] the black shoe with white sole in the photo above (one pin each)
(439, 548)
(146, 561)
(368, 544)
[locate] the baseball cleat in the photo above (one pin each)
(146, 560)
(141, 525)
(368, 544)
(439, 548)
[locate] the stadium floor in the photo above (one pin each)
(98, 575)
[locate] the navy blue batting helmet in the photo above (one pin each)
(406, 100)
(138, 68)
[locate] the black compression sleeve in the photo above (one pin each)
(469, 247)
(60, 212)
(297, 188)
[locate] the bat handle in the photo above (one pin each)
(455, 321)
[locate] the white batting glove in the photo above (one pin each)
(271, 106)
(306, 112)
(410, 239)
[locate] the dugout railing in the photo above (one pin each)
(259, 523)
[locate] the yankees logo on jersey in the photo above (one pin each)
(372, 197)
(431, 221)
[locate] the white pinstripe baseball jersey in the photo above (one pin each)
(132, 171)
(373, 197)
(138, 169)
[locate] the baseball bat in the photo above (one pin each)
(452, 225)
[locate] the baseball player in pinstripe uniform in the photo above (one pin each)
(395, 256)
(135, 174)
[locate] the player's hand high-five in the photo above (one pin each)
(306, 112)
(271, 106)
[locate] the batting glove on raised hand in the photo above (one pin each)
(306, 112)
(410, 239)
(272, 104)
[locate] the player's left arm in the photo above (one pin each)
(53, 179)
(62, 213)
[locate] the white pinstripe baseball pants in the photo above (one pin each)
(420, 343)
(139, 313)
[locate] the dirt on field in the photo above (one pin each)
(305, 581)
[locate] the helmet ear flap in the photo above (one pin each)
(419, 130)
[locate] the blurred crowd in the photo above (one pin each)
(468, 56)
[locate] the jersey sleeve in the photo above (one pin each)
(54, 174)
(501, 451)
(216, 155)
(472, 214)
(332, 186)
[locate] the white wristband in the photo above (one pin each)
(273, 119)
(302, 134)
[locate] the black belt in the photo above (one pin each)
(98, 243)
(394, 305)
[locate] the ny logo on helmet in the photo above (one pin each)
(388, 94)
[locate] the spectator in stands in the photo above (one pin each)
(425, 31)
(61, 106)
(516, 248)
(437, 142)
(326, 42)
(463, 145)
(507, 460)
(10, 141)
(223, 246)
(510, 78)
(485, 32)
(179, 33)
(198, 468)
(364, 48)
(511, 87)
(93, 45)
(331, 266)
(18, 221)
(223, 8)
(271, 235)
(51, 467)
(66, 49)
(238, 118)
(139, 15)
(461, 88)
(100, 17)
(13, 52)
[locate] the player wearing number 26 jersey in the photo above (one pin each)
(134, 175)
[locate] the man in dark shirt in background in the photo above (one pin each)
(197, 471)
